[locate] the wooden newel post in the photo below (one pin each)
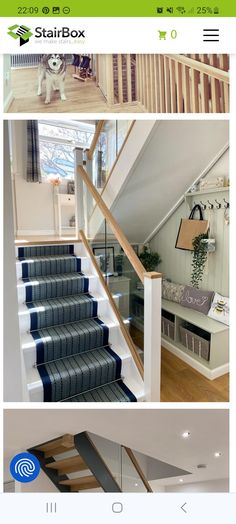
(79, 194)
(152, 336)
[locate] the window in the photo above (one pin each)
(57, 141)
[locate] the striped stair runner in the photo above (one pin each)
(73, 356)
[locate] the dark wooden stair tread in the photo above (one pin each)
(81, 483)
(68, 465)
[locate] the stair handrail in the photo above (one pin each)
(116, 311)
(98, 130)
(91, 151)
(152, 282)
(117, 156)
(138, 468)
(201, 67)
(120, 236)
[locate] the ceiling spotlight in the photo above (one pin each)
(186, 434)
(181, 480)
(217, 454)
(136, 484)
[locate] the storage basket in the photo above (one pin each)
(196, 340)
(167, 327)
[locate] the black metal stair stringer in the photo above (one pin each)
(88, 452)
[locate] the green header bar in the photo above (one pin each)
(121, 8)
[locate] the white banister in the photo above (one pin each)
(152, 336)
(89, 198)
(79, 193)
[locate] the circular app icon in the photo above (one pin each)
(24, 467)
(66, 10)
(45, 10)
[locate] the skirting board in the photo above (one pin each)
(211, 374)
(8, 101)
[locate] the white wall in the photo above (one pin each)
(41, 484)
(177, 153)
(176, 264)
(34, 202)
(13, 381)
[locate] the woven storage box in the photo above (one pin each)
(194, 342)
(167, 328)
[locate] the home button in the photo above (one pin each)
(117, 507)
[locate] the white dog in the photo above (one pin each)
(53, 69)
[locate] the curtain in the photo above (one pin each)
(33, 158)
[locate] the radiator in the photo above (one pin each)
(18, 61)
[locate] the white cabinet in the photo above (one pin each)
(176, 317)
(63, 202)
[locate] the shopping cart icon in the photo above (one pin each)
(162, 35)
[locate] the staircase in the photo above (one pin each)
(72, 344)
(82, 463)
(61, 462)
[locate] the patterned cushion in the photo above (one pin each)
(197, 299)
(220, 309)
(172, 291)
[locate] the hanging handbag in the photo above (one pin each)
(190, 228)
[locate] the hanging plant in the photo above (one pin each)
(149, 259)
(199, 259)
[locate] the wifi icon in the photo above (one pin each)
(24, 467)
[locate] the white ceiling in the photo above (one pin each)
(156, 433)
(173, 158)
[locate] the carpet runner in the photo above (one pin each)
(74, 359)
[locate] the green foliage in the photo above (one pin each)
(199, 259)
(149, 259)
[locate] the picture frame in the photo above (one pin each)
(71, 187)
(106, 258)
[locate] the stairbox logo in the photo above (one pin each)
(24, 467)
(20, 32)
(46, 35)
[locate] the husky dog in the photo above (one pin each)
(53, 69)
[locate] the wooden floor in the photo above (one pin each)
(82, 97)
(181, 383)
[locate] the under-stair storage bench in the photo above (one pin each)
(195, 338)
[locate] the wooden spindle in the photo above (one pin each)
(172, 87)
(120, 79)
(167, 84)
